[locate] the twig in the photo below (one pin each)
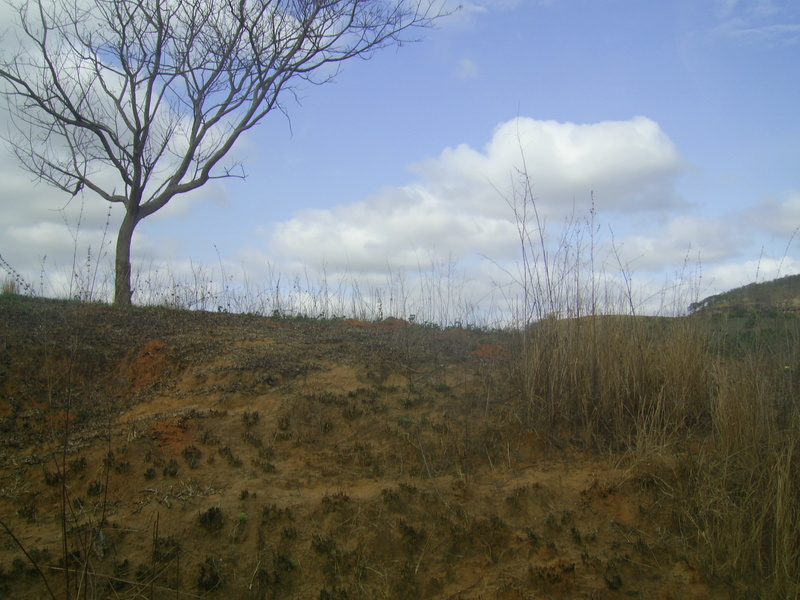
(255, 572)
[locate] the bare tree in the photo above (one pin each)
(139, 101)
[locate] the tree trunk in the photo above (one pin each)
(122, 285)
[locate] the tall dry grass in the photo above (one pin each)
(742, 487)
(615, 381)
(728, 421)
(719, 399)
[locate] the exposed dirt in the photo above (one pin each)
(246, 457)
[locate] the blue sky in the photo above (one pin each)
(680, 117)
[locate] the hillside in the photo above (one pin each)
(782, 294)
(220, 456)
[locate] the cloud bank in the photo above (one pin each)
(461, 200)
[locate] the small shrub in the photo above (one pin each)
(517, 496)
(18, 566)
(407, 488)
(109, 461)
(351, 411)
(150, 473)
(440, 428)
(120, 570)
(208, 578)
(95, 488)
(28, 512)
(405, 422)
(363, 453)
(534, 539)
(171, 470)
(212, 519)
(414, 401)
(389, 495)
(323, 545)
(552, 522)
(209, 439)
(250, 418)
(334, 502)
(283, 564)
(496, 523)
(233, 460)
(192, 455)
(252, 439)
(334, 594)
(53, 477)
(77, 465)
(576, 536)
(265, 466)
(412, 536)
(167, 548)
(271, 512)
(143, 572)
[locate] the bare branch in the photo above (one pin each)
(150, 96)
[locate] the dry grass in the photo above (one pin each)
(615, 382)
(716, 398)
(724, 415)
(743, 484)
(705, 427)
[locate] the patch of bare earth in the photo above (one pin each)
(203, 455)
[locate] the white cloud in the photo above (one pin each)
(683, 238)
(457, 203)
(771, 22)
(35, 219)
(630, 165)
(731, 275)
(467, 69)
(395, 229)
(780, 217)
